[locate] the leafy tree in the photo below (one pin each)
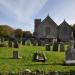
(18, 33)
(6, 30)
(27, 34)
(73, 27)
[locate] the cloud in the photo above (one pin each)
(21, 10)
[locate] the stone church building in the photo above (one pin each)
(48, 29)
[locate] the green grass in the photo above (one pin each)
(54, 59)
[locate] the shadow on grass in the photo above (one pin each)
(9, 58)
(42, 64)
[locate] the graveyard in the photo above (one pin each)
(54, 62)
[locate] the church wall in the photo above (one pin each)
(48, 27)
(65, 33)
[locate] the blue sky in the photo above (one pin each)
(21, 13)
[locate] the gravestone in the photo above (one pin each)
(43, 43)
(28, 42)
(15, 55)
(10, 44)
(70, 54)
(23, 42)
(2, 39)
(72, 72)
(55, 47)
(16, 45)
(47, 47)
(39, 43)
(2, 45)
(39, 57)
(34, 43)
(61, 47)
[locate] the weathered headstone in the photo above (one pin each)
(2, 39)
(28, 42)
(70, 54)
(2, 45)
(16, 45)
(23, 42)
(39, 57)
(15, 55)
(47, 47)
(34, 43)
(43, 43)
(61, 47)
(55, 47)
(10, 44)
(39, 43)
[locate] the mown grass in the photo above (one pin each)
(54, 60)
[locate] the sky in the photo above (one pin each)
(21, 13)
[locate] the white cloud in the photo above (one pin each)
(22, 10)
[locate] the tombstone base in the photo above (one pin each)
(70, 62)
(16, 55)
(39, 57)
(17, 58)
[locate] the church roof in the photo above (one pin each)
(48, 18)
(64, 23)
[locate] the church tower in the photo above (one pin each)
(37, 23)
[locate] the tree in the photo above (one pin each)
(27, 34)
(73, 27)
(18, 33)
(6, 30)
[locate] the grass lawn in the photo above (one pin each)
(54, 59)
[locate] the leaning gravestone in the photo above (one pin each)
(70, 54)
(55, 47)
(39, 57)
(47, 47)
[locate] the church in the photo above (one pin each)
(48, 29)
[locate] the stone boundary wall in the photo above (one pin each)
(40, 73)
